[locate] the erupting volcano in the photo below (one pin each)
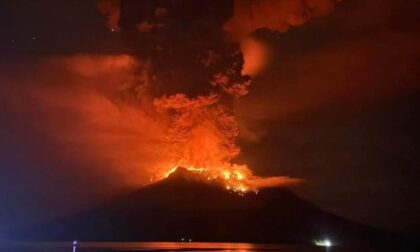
(187, 119)
(169, 100)
(201, 138)
(183, 205)
(195, 64)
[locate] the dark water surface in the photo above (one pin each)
(158, 246)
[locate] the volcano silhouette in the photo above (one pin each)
(183, 206)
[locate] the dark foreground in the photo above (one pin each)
(185, 206)
(166, 246)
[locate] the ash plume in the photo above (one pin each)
(190, 72)
(170, 102)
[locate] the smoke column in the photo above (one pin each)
(197, 67)
(170, 101)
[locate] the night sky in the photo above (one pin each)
(337, 105)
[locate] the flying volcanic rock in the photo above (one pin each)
(186, 205)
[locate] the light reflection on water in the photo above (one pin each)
(153, 246)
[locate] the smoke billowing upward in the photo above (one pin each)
(195, 70)
(170, 102)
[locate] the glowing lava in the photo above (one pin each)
(235, 180)
(201, 137)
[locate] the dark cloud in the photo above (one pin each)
(249, 16)
(337, 107)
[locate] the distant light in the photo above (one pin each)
(75, 243)
(323, 243)
(327, 243)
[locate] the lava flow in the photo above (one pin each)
(238, 179)
(232, 180)
(201, 137)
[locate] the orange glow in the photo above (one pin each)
(235, 183)
(201, 138)
(249, 16)
(135, 137)
(256, 56)
(236, 178)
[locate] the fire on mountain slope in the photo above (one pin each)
(194, 78)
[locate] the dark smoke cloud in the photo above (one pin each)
(336, 105)
(184, 42)
(354, 62)
(358, 73)
(178, 36)
(251, 15)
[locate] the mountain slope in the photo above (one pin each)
(183, 206)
